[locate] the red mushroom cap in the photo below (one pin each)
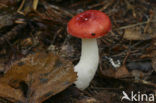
(89, 24)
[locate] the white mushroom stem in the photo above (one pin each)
(88, 63)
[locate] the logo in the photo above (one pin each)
(137, 97)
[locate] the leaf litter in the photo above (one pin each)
(131, 41)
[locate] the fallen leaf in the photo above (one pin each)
(122, 72)
(36, 77)
(135, 33)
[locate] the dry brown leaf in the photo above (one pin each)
(122, 72)
(36, 77)
(136, 34)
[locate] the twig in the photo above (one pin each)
(107, 5)
(148, 23)
(59, 9)
(148, 83)
(3, 5)
(96, 5)
(20, 8)
(133, 25)
(35, 4)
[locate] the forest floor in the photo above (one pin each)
(132, 41)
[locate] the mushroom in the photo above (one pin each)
(88, 26)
